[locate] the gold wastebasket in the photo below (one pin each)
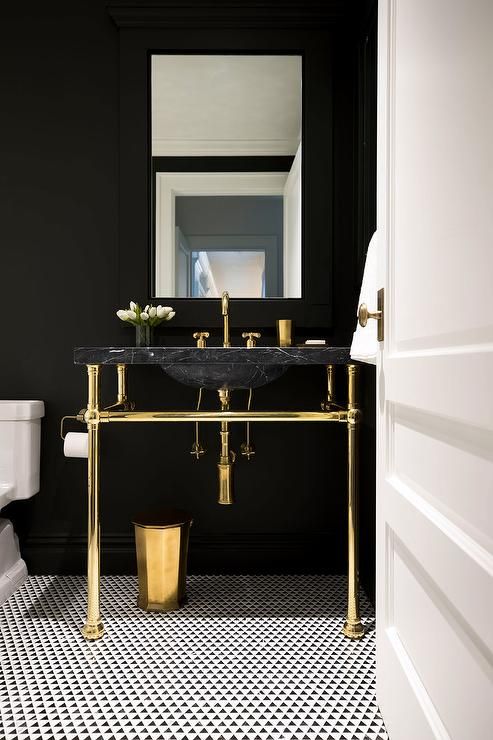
(161, 540)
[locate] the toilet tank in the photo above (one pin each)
(20, 438)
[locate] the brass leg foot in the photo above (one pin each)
(93, 631)
(354, 630)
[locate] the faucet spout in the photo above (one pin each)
(225, 313)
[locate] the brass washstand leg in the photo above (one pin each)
(93, 627)
(353, 627)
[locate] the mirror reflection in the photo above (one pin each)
(226, 175)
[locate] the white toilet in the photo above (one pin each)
(20, 437)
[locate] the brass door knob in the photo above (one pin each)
(251, 337)
(201, 336)
(364, 314)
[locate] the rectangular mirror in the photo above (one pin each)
(226, 175)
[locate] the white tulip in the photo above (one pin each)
(133, 306)
(161, 312)
(122, 315)
(152, 312)
(170, 315)
(132, 315)
(146, 309)
(167, 309)
(144, 316)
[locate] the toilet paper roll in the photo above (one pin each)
(75, 444)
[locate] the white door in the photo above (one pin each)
(435, 372)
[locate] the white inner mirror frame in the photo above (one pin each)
(234, 230)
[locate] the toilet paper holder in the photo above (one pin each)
(79, 417)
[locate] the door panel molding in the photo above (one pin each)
(463, 455)
(430, 725)
(439, 385)
(453, 559)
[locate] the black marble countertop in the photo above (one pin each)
(314, 355)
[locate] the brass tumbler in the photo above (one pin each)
(161, 540)
(285, 331)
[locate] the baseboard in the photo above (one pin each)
(312, 552)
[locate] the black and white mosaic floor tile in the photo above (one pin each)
(248, 658)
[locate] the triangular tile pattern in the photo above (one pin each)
(248, 658)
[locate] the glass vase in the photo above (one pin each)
(144, 335)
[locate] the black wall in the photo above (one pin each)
(59, 282)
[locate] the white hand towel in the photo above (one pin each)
(365, 344)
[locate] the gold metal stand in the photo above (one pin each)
(94, 417)
(353, 627)
(93, 628)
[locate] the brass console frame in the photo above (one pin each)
(93, 417)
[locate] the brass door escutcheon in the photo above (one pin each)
(364, 314)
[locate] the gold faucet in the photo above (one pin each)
(225, 312)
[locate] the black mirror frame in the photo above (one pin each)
(144, 30)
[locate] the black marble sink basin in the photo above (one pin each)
(224, 375)
(216, 367)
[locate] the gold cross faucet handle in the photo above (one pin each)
(201, 336)
(251, 337)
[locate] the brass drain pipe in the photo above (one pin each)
(227, 457)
